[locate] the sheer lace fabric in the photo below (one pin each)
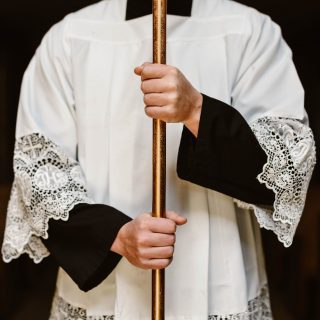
(47, 185)
(258, 309)
(290, 148)
(62, 310)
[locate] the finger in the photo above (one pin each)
(155, 99)
(158, 112)
(154, 86)
(138, 70)
(175, 217)
(162, 225)
(161, 240)
(154, 71)
(154, 112)
(158, 263)
(157, 252)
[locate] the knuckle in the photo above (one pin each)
(166, 263)
(142, 224)
(174, 71)
(149, 112)
(146, 99)
(175, 97)
(169, 251)
(141, 241)
(172, 239)
(145, 223)
(144, 216)
(172, 85)
(143, 86)
(171, 226)
(140, 253)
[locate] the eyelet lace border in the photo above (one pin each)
(47, 185)
(291, 153)
(258, 309)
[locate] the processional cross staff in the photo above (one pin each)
(159, 154)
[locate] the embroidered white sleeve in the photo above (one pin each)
(48, 184)
(290, 148)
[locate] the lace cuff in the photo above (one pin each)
(47, 185)
(290, 148)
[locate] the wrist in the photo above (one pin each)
(192, 123)
(118, 246)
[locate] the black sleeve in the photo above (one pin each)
(81, 245)
(226, 156)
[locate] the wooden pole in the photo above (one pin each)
(159, 154)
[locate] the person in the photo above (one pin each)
(240, 156)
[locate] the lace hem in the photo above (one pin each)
(47, 185)
(62, 310)
(290, 148)
(258, 309)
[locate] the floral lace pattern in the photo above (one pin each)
(258, 309)
(48, 184)
(62, 310)
(290, 148)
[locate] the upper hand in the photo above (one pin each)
(148, 242)
(169, 96)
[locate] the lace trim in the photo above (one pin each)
(62, 310)
(47, 185)
(290, 148)
(258, 309)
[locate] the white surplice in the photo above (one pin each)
(81, 93)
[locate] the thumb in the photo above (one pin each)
(175, 217)
(138, 70)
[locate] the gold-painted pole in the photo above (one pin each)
(159, 154)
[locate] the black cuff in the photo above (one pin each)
(81, 245)
(226, 156)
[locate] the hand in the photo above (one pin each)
(148, 242)
(169, 96)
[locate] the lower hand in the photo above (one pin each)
(148, 242)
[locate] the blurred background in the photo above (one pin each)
(294, 274)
